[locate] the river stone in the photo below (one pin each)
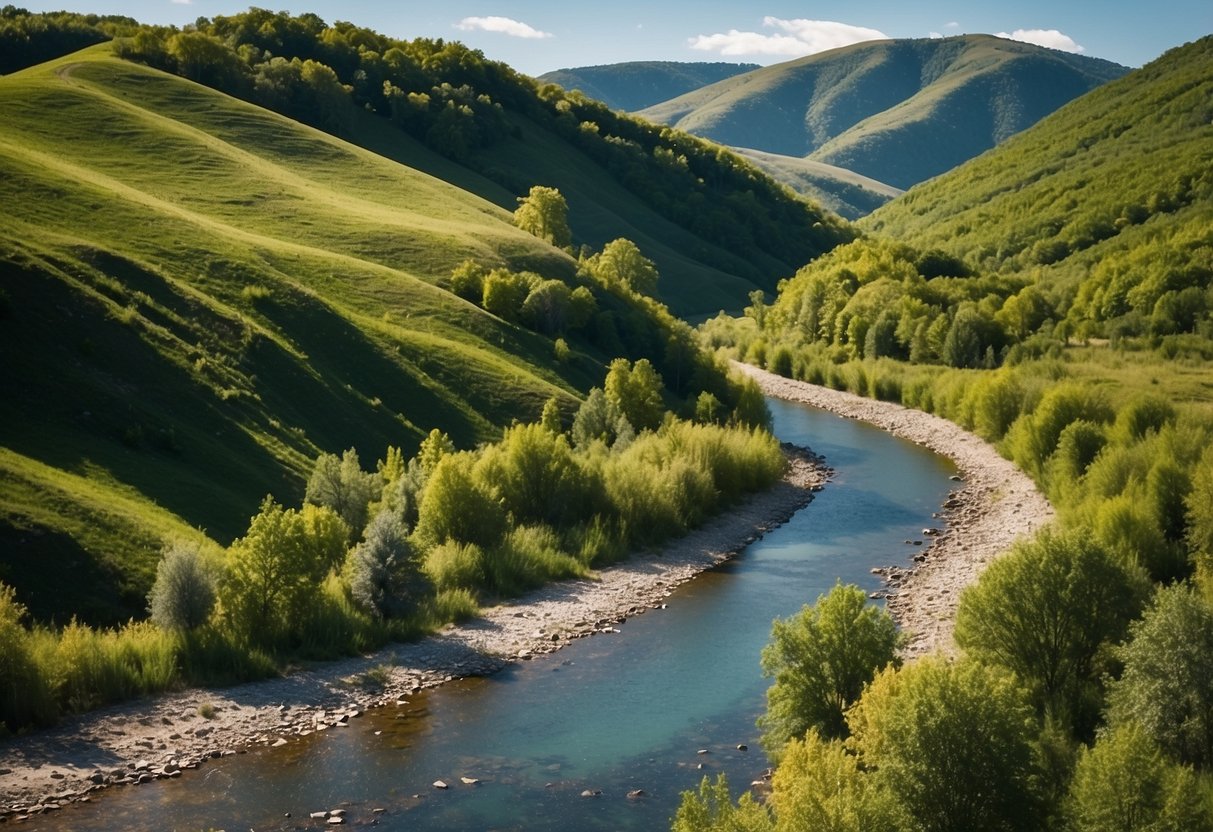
(469, 781)
(439, 784)
(636, 794)
(318, 815)
(278, 743)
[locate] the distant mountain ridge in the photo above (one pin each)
(635, 85)
(898, 111)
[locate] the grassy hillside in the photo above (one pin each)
(198, 297)
(844, 192)
(638, 84)
(1106, 207)
(897, 111)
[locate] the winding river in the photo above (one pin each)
(673, 696)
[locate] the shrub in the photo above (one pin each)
(452, 565)
(24, 698)
(456, 506)
(184, 592)
(385, 575)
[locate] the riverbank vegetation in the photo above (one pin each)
(397, 551)
(1076, 335)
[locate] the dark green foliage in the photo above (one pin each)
(27, 39)
(821, 659)
(1167, 684)
(184, 593)
(1046, 611)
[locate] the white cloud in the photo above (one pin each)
(794, 38)
(951, 24)
(1051, 38)
(934, 35)
(502, 25)
(182, 2)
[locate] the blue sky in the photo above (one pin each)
(535, 36)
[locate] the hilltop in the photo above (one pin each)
(634, 85)
(897, 111)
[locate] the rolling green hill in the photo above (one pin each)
(198, 297)
(201, 294)
(638, 84)
(846, 193)
(898, 111)
(1106, 206)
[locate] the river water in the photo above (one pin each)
(655, 707)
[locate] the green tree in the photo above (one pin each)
(456, 506)
(596, 420)
(711, 809)
(467, 281)
(951, 744)
(620, 264)
(1045, 611)
(183, 595)
(545, 214)
(635, 391)
(819, 786)
(1167, 684)
(272, 573)
(1124, 784)
(535, 476)
(385, 575)
(821, 658)
(550, 419)
(340, 483)
(546, 308)
(504, 293)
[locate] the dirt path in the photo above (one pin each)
(139, 742)
(993, 504)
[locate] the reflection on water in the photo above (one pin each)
(606, 716)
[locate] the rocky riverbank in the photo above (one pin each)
(992, 505)
(168, 736)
